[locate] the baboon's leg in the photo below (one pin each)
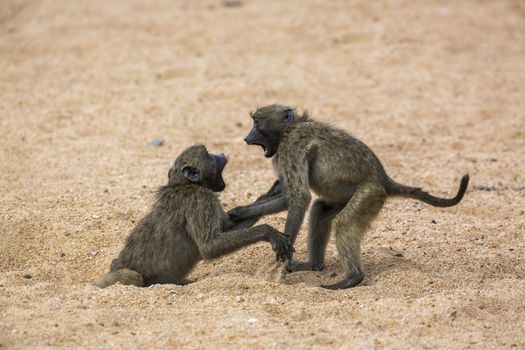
(320, 223)
(349, 227)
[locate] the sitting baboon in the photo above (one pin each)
(346, 175)
(186, 224)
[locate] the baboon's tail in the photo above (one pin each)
(396, 189)
(123, 276)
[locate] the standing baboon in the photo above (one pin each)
(346, 175)
(186, 224)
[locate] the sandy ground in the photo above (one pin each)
(436, 88)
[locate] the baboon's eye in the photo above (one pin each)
(288, 116)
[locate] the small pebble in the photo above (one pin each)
(28, 276)
(156, 143)
(232, 3)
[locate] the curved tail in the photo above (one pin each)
(396, 189)
(123, 276)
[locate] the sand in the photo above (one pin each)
(435, 88)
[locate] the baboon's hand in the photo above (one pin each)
(239, 213)
(288, 258)
(280, 244)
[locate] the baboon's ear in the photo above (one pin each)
(289, 116)
(191, 173)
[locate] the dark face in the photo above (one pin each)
(196, 165)
(268, 123)
(217, 183)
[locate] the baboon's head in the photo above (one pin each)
(268, 123)
(195, 165)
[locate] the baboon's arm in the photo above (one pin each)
(223, 243)
(229, 225)
(271, 202)
(212, 243)
(275, 190)
(268, 206)
(295, 173)
(296, 212)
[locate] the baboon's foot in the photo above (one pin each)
(297, 266)
(349, 282)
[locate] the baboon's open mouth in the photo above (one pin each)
(262, 146)
(268, 152)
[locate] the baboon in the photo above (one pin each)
(348, 178)
(185, 225)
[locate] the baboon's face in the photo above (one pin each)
(268, 123)
(196, 165)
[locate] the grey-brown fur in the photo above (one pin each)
(186, 224)
(349, 179)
